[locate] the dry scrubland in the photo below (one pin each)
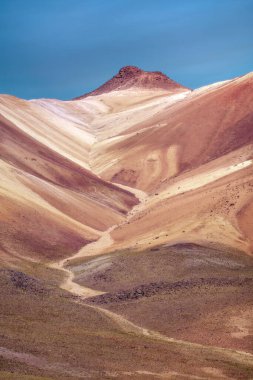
(126, 235)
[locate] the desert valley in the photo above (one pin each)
(126, 244)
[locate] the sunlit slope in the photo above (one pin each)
(211, 207)
(201, 126)
(61, 161)
(50, 205)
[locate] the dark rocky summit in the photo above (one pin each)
(132, 76)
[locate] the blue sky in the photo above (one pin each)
(64, 48)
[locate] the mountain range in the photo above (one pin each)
(126, 235)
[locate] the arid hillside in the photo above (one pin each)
(127, 232)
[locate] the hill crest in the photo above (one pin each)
(134, 77)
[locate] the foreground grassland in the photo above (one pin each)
(47, 333)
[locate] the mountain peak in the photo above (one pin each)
(128, 71)
(134, 77)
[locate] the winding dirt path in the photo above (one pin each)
(129, 327)
(95, 248)
(98, 247)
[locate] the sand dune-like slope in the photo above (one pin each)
(51, 203)
(145, 131)
(174, 145)
(197, 209)
(198, 127)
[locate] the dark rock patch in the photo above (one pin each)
(24, 282)
(155, 288)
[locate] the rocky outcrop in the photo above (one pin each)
(132, 76)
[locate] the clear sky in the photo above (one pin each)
(64, 48)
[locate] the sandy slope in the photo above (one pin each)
(44, 186)
(50, 143)
(203, 126)
(208, 213)
(175, 144)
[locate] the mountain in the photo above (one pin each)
(134, 77)
(126, 231)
